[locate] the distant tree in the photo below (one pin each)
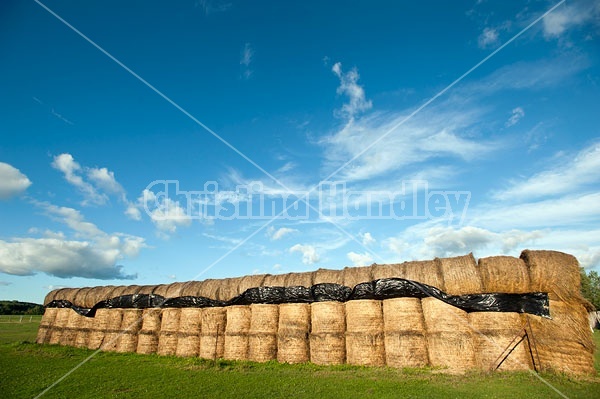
(590, 287)
(17, 308)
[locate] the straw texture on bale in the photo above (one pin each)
(327, 337)
(191, 288)
(148, 337)
(386, 271)
(405, 339)
(59, 325)
(364, 333)
(449, 337)
(328, 276)
(554, 272)
(131, 325)
(113, 330)
(292, 334)
(174, 290)
(146, 289)
(98, 294)
(98, 329)
(161, 290)
(236, 332)
(493, 332)
(252, 281)
(565, 343)
(300, 279)
(427, 272)
(504, 274)
(188, 337)
(229, 288)
(209, 288)
(79, 298)
(212, 337)
(274, 280)
(69, 335)
(461, 275)
(262, 336)
(352, 276)
(169, 327)
(46, 325)
(83, 333)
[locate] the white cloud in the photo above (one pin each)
(246, 56)
(569, 16)
(367, 239)
(488, 38)
(349, 87)
(565, 176)
(133, 212)
(359, 259)
(279, 233)
(90, 253)
(169, 215)
(213, 6)
(517, 114)
(12, 181)
(72, 172)
(309, 253)
(105, 180)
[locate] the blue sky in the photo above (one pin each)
(243, 103)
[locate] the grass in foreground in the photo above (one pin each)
(26, 369)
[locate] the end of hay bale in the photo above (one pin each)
(461, 275)
(504, 274)
(553, 272)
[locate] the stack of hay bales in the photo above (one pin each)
(398, 332)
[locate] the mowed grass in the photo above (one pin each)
(26, 369)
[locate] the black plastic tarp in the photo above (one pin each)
(535, 303)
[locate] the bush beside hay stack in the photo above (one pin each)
(493, 332)
(364, 333)
(236, 332)
(449, 337)
(292, 333)
(131, 325)
(169, 327)
(404, 327)
(148, 337)
(461, 275)
(327, 337)
(565, 343)
(212, 336)
(188, 337)
(262, 336)
(504, 274)
(554, 272)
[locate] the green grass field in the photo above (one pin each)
(26, 369)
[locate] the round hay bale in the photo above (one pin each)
(79, 298)
(83, 334)
(251, 281)
(131, 325)
(364, 333)
(553, 272)
(292, 334)
(167, 339)
(352, 276)
(264, 322)
(274, 280)
(461, 275)
(426, 272)
(300, 279)
(236, 333)
(112, 332)
(188, 337)
(132, 289)
(50, 296)
(161, 290)
(212, 335)
(148, 337)
(328, 276)
(209, 288)
(59, 325)
(493, 332)
(404, 328)
(565, 343)
(504, 274)
(100, 325)
(146, 289)
(229, 288)
(450, 341)
(386, 271)
(98, 294)
(46, 325)
(327, 337)
(174, 290)
(191, 288)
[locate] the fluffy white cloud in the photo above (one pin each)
(279, 233)
(367, 239)
(359, 259)
(105, 180)
(517, 114)
(246, 56)
(12, 181)
(567, 175)
(72, 172)
(356, 94)
(90, 253)
(309, 253)
(571, 15)
(488, 38)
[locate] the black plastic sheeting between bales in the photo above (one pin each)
(535, 303)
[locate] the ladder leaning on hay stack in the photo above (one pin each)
(397, 332)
